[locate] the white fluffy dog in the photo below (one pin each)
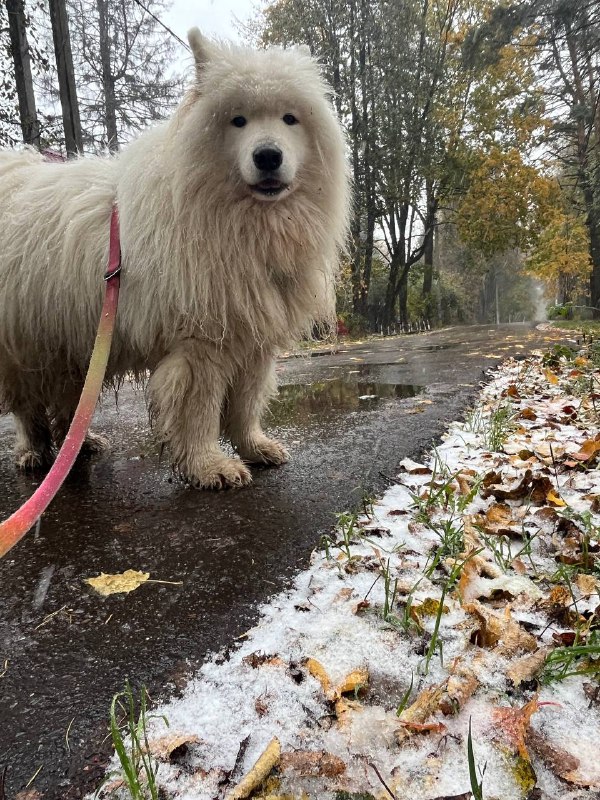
(233, 215)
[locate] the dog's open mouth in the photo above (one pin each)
(269, 187)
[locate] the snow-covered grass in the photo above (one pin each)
(466, 598)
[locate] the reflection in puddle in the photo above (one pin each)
(295, 401)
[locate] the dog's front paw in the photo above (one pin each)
(33, 460)
(94, 443)
(263, 450)
(221, 473)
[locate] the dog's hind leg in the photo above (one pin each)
(186, 394)
(62, 413)
(33, 447)
(247, 400)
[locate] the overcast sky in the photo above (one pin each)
(213, 17)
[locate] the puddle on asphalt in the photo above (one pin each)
(296, 401)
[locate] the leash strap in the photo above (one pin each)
(17, 525)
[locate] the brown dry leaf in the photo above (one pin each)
(120, 583)
(527, 667)
(499, 520)
(168, 748)
(314, 764)
(587, 584)
(463, 796)
(512, 391)
(412, 467)
(361, 606)
(33, 794)
(425, 727)
(343, 594)
(265, 763)
(258, 659)
(589, 449)
(499, 631)
(461, 685)
(260, 706)
(514, 724)
(561, 762)
(426, 704)
(554, 757)
(535, 487)
(344, 708)
(527, 413)
(464, 484)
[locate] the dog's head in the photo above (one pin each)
(265, 114)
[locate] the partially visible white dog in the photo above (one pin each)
(233, 215)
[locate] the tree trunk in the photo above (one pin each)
(108, 83)
(20, 54)
(593, 226)
(428, 252)
(403, 295)
(66, 77)
(368, 259)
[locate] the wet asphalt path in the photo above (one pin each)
(64, 650)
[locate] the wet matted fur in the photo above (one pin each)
(226, 259)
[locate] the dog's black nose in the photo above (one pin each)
(267, 159)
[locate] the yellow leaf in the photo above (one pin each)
(317, 670)
(555, 500)
(551, 377)
(120, 583)
(269, 759)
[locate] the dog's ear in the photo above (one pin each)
(201, 48)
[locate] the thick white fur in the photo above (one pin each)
(215, 279)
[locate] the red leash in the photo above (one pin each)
(17, 525)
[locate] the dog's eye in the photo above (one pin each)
(290, 119)
(239, 122)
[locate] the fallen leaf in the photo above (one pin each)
(462, 683)
(350, 684)
(314, 764)
(589, 449)
(412, 467)
(353, 682)
(426, 704)
(425, 727)
(529, 486)
(555, 500)
(527, 667)
(361, 606)
(171, 747)
(265, 763)
(551, 377)
(499, 631)
(527, 413)
(120, 583)
(587, 584)
(554, 757)
(513, 723)
(499, 520)
(317, 670)
(259, 659)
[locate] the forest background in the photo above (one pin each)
(473, 132)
